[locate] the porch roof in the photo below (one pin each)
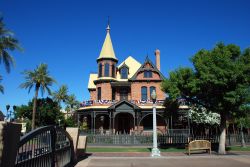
(126, 102)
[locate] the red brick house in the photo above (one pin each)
(120, 99)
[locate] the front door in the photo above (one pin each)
(124, 123)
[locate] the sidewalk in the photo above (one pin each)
(173, 159)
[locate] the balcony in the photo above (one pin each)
(111, 102)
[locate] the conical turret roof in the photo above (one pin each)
(107, 51)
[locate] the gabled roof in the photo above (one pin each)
(147, 60)
(122, 102)
(123, 65)
(107, 51)
(133, 66)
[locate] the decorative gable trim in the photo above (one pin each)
(142, 68)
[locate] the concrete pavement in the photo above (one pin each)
(203, 160)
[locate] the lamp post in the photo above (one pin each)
(59, 121)
(155, 151)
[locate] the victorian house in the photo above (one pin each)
(120, 100)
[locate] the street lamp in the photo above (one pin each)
(59, 121)
(155, 151)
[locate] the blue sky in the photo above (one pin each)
(68, 35)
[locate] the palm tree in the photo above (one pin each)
(72, 102)
(7, 43)
(40, 79)
(61, 95)
(1, 87)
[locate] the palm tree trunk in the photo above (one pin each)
(34, 108)
(222, 142)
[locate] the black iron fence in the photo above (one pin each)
(165, 139)
(45, 147)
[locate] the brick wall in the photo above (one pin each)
(136, 90)
(93, 95)
(133, 94)
(106, 90)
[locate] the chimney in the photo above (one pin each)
(157, 59)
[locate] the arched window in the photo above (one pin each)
(124, 73)
(152, 88)
(100, 70)
(113, 71)
(106, 70)
(144, 94)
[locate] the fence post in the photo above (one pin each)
(53, 146)
(9, 141)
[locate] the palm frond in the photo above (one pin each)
(7, 43)
(7, 60)
(1, 86)
(39, 77)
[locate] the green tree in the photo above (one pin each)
(70, 122)
(61, 95)
(72, 104)
(1, 87)
(219, 82)
(7, 43)
(41, 80)
(243, 123)
(48, 112)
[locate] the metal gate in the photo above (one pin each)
(47, 146)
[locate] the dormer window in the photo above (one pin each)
(147, 74)
(124, 73)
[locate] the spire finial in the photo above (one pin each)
(108, 27)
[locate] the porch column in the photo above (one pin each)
(113, 118)
(94, 115)
(78, 119)
(92, 120)
(110, 117)
(134, 121)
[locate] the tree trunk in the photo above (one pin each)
(222, 142)
(34, 108)
(243, 143)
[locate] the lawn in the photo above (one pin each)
(238, 148)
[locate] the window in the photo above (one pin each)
(123, 94)
(144, 95)
(99, 93)
(113, 93)
(124, 73)
(147, 74)
(100, 70)
(113, 71)
(152, 88)
(106, 70)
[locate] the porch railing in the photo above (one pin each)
(47, 146)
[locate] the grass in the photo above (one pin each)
(97, 149)
(238, 148)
